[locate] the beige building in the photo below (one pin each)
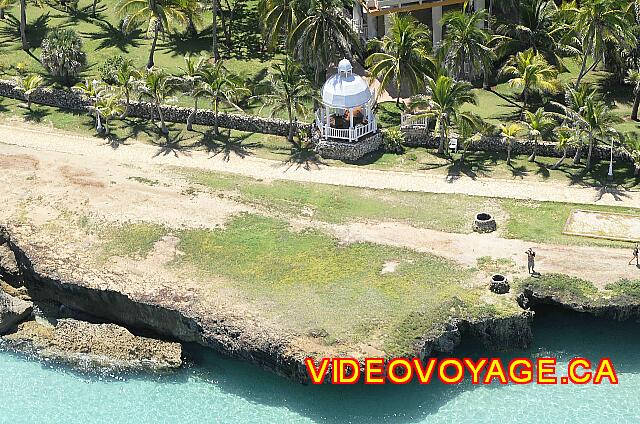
(371, 17)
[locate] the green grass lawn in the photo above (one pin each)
(541, 222)
(317, 285)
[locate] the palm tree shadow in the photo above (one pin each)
(617, 194)
(519, 171)
(227, 145)
(110, 36)
(37, 29)
(172, 145)
(542, 171)
(35, 115)
(303, 157)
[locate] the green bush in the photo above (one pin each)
(62, 54)
(110, 68)
(392, 140)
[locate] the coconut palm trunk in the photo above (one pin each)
(23, 25)
(215, 116)
(127, 103)
(577, 158)
(532, 157)
(636, 105)
(290, 115)
(1, 13)
(214, 29)
(163, 125)
(509, 153)
(192, 115)
(442, 135)
(93, 11)
(591, 142)
(561, 160)
(156, 30)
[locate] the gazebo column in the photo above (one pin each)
(328, 115)
(350, 124)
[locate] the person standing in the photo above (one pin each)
(636, 250)
(531, 261)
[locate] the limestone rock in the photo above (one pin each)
(12, 311)
(95, 345)
(9, 270)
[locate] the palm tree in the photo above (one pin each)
(214, 29)
(572, 110)
(190, 78)
(564, 137)
(598, 22)
(109, 107)
(632, 145)
(509, 133)
(4, 5)
(159, 14)
(538, 29)
(633, 78)
(125, 78)
(28, 84)
(94, 90)
(445, 98)
(466, 53)
(469, 128)
(155, 86)
(403, 56)
(288, 91)
(221, 87)
(23, 25)
(323, 36)
(538, 123)
(279, 17)
(531, 72)
(597, 118)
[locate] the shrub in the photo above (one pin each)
(62, 54)
(109, 69)
(392, 140)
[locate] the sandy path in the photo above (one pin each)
(94, 152)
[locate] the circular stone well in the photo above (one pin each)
(484, 223)
(499, 284)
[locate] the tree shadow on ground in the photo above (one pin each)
(303, 157)
(226, 145)
(110, 36)
(35, 115)
(172, 144)
(181, 44)
(36, 30)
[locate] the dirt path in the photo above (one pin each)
(94, 152)
(46, 177)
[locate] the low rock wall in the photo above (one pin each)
(347, 151)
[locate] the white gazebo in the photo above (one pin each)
(347, 102)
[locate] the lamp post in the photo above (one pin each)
(611, 162)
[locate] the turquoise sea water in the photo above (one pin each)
(214, 389)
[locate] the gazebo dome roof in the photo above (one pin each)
(345, 90)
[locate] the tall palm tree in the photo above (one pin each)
(215, 6)
(403, 56)
(632, 145)
(159, 14)
(538, 123)
(155, 85)
(221, 87)
(598, 22)
(28, 84)
(508, 134)
(323, 36)
(279, 17)
(531, 72)
(470, 127)
(538, 29)
(465, 46)
(633, 78)
(191, 76)
(598, 118)
(125, 78)
(23, 25)
(445, 98)
(109, 107)
(288, 91)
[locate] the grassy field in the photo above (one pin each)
(309, 280)
(540, 222)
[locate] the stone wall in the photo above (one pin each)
(347, 151)
(416, 137)
(69, 99)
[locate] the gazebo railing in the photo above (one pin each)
(350, 134)
(408, 120)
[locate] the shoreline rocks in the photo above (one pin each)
(81, 343)
(12, 311)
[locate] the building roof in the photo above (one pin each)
(345, 90)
